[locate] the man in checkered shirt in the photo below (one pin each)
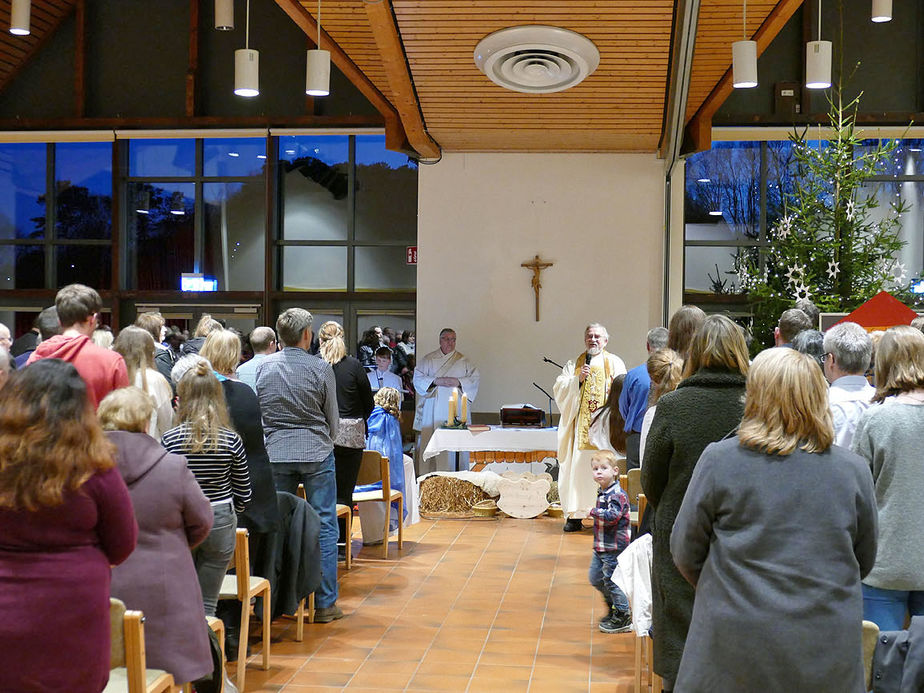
(298, 399)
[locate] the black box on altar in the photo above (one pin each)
(522, 416)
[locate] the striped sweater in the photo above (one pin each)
(222, 473)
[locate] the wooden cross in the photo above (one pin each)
(537, 265)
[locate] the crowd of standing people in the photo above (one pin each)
(146, 453)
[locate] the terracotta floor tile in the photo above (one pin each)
(310, 677)
(436, 682)
(507, 673)
(509, 658)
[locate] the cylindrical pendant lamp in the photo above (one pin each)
(19, 17)
(744, 64)
(247, 72)
(317, 82)
(224, 15)
(818, 64)
(882, 10)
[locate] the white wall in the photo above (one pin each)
(598, 217)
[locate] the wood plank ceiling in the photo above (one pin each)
(617, 108)
(15, 51)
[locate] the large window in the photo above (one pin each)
(66, 188)
(350, 212)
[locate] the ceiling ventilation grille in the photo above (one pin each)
(536, 59)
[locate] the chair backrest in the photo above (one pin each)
(241, 562)
(621, 464)
(870, 636)
(374, 468)
(633, 485)
(116, 633)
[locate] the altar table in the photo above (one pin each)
(499, 444)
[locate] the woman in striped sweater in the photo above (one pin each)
(216, 457)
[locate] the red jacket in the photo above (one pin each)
(102, 370)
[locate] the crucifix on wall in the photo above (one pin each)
(536, 265)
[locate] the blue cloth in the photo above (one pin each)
(887, 608)
(321, 494)
(385, 438)
(633, 400)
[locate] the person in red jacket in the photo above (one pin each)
(102, 370)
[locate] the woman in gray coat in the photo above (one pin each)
(173, 515)
(705, 407)
(777, 528)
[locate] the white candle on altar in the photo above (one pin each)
(464, 414)
(451, 418)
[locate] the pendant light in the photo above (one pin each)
(247, 65)
(818, 60)
(882, 10)
(317, 79)
(224, 15)
(143, 204)
(744, 56)
(19, 17)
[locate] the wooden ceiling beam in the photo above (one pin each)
(395, 136)
(31, 44)
(385, 30)
(699, 128)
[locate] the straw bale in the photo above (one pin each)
(446, 494)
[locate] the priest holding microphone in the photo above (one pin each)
(442, 376)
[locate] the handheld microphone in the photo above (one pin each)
(586, 359)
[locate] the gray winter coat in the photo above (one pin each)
(776, 546)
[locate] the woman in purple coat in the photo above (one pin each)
(173, 515)
(65, 517)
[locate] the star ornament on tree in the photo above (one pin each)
(898, 273)
(802, 291)
(793, 273)
(784, 228)
(851, 210)
(833, 269)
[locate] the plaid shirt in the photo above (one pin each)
(611, 519)
(298, 398)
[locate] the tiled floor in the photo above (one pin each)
(470, 605)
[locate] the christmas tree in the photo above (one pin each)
(827, 246)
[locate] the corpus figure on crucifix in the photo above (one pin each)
(537, 265)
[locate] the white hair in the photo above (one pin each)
(851, 345)
(185, 364)
(606, 335)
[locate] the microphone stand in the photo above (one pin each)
(546, 359)
(550, 401)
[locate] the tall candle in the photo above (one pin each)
(464, 415)
(451, 418)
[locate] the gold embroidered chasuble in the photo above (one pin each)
(594, 393)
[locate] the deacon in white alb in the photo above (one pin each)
(580, 390)
(436, 376)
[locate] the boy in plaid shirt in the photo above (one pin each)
(611, 536)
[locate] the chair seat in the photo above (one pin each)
(229, 586)
(361, 496)
(155, 680)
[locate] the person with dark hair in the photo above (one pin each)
(775, 531)
(705, 407)
(154, 324)
(103, 370)
(382, 375)
(365, 350)
(26, 341)
(682, 327)
(48, 326)
(792, 322)
(608, 428)
(403, 349)
(65, 518)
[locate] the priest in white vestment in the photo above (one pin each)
(435, 377)
(580, 390)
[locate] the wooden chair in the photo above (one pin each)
(633, 489)
(374, 468)
(128, 668)
(870, 636)
(243, 587)
(346, 512)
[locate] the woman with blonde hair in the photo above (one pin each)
(65, 518)
(665, 366)
(206, 325)
(775, 532)
(705, 407)
(890, 437)
(216, 457)
(354, 400)
(137, 349)
(173, 516)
